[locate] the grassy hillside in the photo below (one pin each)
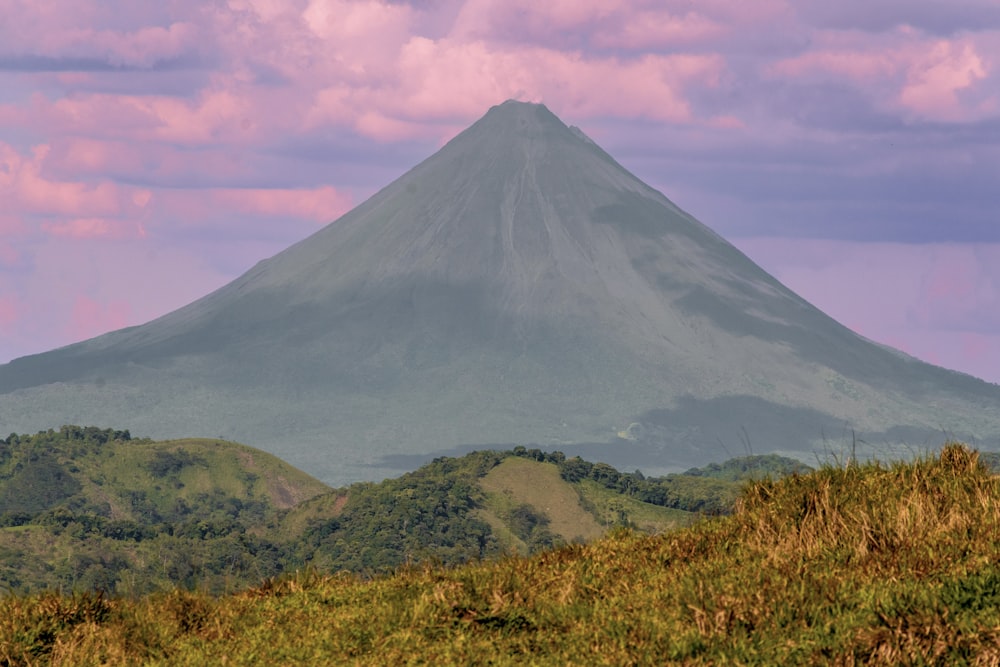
(86, 508)
(124, 478)
(863, 564)
(487, 504)
(530, 505)
(92, 509)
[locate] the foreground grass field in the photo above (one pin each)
(856, 564)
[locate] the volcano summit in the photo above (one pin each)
(518, 286)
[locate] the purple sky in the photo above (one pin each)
(151, 152)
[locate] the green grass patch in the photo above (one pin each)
(616, 510)
(518, 481)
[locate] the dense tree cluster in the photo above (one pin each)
(85, 434)
(426, 515)
(709, 490)
(751, 467)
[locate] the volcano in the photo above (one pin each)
(517, 287)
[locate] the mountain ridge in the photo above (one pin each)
(84, 508)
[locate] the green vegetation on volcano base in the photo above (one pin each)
(92, 509)
(855, 564)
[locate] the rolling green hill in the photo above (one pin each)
(851, 564)
(488, 504)
(87, 509)
(90, 508)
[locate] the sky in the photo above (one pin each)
(150, 152)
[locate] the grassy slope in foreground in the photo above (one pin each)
(856, 564)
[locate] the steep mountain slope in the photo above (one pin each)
(519, 286)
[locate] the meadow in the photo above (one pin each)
(854, 563)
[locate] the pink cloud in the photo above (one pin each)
(857, 66)
(384, 70)
(152, 162)
(642, 24)
(265, 10)
(63, 208)
(24, 188)
(726, 122)
(367, 34)
(322, 204)
(215, 116)
(10, 164)
(142, 48)
(230, 112)
(73, 29)
(92, 156)
(141, 198)
(660, 28)
(934, 82)
(904, 70)
(382, 127)
(364, 64)
(445, 79)
(63, 198)
(146, 46)
(484, 19)
(93, 228)
(219, 115)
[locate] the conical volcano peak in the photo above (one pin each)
(521, 119)
(522, 112)
(517, 139)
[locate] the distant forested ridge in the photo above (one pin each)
(86, 508)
